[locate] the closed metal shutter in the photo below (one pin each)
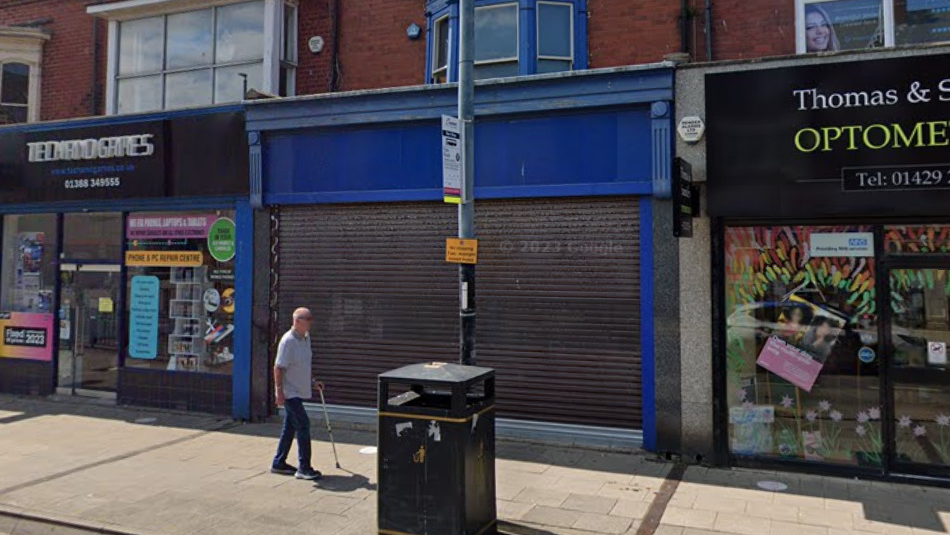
(558, 299)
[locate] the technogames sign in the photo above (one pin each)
(103, 162)
(91, 149)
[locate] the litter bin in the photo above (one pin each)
(436, 453)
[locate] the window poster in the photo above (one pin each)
(30, 296)
(182, 291)
(26, 336)
(836, 25)
(143, 317)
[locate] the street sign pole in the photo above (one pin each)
(466, 209)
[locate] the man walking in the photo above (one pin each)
(293, 382)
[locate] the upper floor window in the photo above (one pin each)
(14, 93)
(510, 40)
(21, 52)
(201, 57)
(834, 25)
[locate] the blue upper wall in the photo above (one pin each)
(581, 134)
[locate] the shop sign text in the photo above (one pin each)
(137, 145)
(851, 138)
(841, 244)
(164, 258)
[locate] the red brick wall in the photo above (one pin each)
(623, 32)
(628, 32)
(746, 29)
(374, 49)
(67, 85)
(313, 70)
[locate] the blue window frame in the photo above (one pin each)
(512, 38)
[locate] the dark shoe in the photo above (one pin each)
(308, 474)
(283, 469)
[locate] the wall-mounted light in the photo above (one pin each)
(414, 31)
(316, 44)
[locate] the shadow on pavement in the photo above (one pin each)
(350, 483)
(513, 528)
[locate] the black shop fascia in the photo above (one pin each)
(863, 138)
(174, 156)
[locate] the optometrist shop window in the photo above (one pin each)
(181, 299)
(802, 377)
(203, 57)
(509, 39)
(835, 25)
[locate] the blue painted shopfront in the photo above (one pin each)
(585, 134)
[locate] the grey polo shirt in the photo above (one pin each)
(295, 357)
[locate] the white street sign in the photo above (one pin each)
(452, 159)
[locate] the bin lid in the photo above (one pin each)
(438, 373)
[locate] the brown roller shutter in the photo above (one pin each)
(557, 291)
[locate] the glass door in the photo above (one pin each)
(918, 333)
(89, 329)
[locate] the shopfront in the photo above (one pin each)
(829, 185)
(121, 268)
(567, 169)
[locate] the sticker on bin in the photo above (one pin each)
(401, 428)
(435, 431)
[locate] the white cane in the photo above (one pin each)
(326, 416)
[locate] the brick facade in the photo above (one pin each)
(623, 32)
(68, 87)
(374, 51)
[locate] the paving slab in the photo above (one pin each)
(186, 474)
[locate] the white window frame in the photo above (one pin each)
(537, 22)
(436, 70)
(800, 41)
(25, 45)
(293, 62)
(516, 59)
(118, 12)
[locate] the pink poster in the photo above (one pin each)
(26, 336)
(169, 227)
(789, 363)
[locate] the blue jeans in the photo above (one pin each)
(296, 423)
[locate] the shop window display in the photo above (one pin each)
(920, 332)
(917, 239)
(29, 272)
(802, 350)
(181, 291)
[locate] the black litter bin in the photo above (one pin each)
(437, 450)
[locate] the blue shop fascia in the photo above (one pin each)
(572, 175)
(126, 259)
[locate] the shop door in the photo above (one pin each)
(89, 329)
(917, 332)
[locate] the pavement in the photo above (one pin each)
(77, 467)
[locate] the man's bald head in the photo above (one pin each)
(303, 319)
